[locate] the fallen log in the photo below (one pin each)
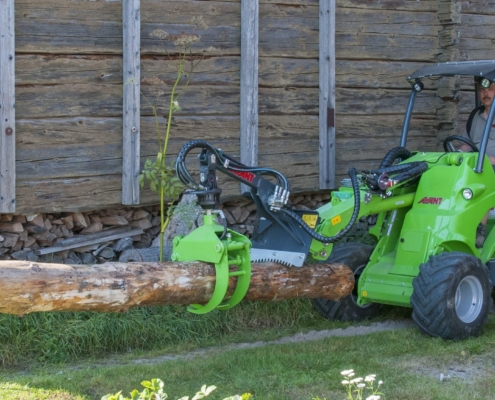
(27, 287)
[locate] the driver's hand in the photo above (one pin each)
(466, 147)
(492, 159)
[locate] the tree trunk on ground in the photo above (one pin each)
(27, 287)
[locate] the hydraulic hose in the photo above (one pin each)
(405, 172)
(394, 154)
(415, 169)
(224, 163)
(180, 167)
(332, 239)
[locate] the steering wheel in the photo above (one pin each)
(449, 147)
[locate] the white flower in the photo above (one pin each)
(380, 383)
(351, 374)
(361, 385)
(176, 106)
(356, 380)
(347, 372)
(370, 378)
(373, 397)
(345, 382)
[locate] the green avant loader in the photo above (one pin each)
(427, 207)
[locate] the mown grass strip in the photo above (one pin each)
(408, 362)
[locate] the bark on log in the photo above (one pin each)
(27, 287)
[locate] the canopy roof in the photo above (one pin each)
(483, 68)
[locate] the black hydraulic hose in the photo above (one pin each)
(407, 172)
(397, 169)
(394, 154)
(386, 182)
(373, 177)
(226, 165)
(332, 239)
(180, 168)
(417, 169)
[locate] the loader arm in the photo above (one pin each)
(336, 215)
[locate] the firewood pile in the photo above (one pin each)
(124, 234)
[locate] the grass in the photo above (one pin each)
(63, 337)
(409, 363)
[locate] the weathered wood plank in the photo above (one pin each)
(106, 100)
(131, 22)
(7, 108)
(476, 49)
(70, 132)
(326, 126)
(384, 126)
(391, 5)
(78, 194)
(93, 193)
(38, 69)
(249, 83)
(476, 26)
(275, 42)
(38, 158)
(477, 7)
(281, 27)
(424, 5)
(388, 47)
(273, 71)
(474, 43)
(363, 21)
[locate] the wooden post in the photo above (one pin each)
(327, 94)
(131, 22)
(249, 83)
(7, 107)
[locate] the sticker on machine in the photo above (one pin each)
(310, 220)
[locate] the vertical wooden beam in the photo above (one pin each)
(327, 94)
(7, 107)
(249, 83)
(131, 22)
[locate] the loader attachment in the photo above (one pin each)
(279, 238)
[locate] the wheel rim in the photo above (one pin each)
(468, 299)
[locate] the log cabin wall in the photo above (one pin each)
(476, 22)
(69, 88)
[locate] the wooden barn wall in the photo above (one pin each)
(69, 89)
(475, 32)
(378, 44)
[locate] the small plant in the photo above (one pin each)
(355, 387)
(158, 173)
(153, 390)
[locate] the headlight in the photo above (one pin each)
(485, 83)
(467, 194)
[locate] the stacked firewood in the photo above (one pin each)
(80, 237)
(101, 236)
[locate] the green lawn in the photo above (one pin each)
(409, 364)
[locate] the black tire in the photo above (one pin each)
(355, 256)
(452, 296)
